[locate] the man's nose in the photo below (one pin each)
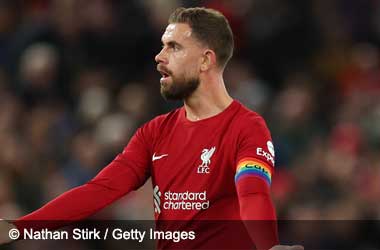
(160, 57)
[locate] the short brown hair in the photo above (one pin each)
(210, 27)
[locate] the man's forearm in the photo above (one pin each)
(257, 212)
(111, 183)
(73, 205)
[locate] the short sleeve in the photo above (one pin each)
(255, 152)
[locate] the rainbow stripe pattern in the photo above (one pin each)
(253, 167)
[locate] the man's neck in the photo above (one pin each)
(208, 100)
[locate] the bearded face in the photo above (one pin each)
(179, 62)
(175, 87)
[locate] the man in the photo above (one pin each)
(212, 159)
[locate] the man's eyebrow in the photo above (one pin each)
(171, 43)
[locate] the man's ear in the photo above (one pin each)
(208, 60)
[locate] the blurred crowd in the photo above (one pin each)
(78, 77)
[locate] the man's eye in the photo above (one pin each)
(175, 47)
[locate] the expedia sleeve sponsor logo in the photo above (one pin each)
(268, 156)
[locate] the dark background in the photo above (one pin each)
(77, 78)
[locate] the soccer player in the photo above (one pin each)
(212, 159)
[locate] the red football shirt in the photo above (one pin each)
(219, 168)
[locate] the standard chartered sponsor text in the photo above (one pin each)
(186, 200)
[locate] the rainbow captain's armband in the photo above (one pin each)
(253, 167)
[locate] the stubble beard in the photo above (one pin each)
(179, 89)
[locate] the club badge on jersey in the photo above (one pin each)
(206, 161)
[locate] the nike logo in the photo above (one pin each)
(154, 157)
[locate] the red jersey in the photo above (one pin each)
(194, 164)
(201, 170)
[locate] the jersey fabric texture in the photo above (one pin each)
(215, 169)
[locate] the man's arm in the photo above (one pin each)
(254, 171)
(110, 184)
(253, 176)
(257, 212)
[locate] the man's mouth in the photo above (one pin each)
(164, 73)
(164, 77)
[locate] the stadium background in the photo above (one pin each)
(78, 77)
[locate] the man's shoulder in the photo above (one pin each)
(160, 120)
(248, 116)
